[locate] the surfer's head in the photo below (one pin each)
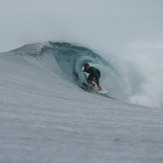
(86, 66)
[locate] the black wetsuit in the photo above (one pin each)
(94, 72)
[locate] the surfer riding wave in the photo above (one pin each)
(94, 75)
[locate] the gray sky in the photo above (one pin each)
(108, 25)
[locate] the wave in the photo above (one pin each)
(140, 79)
(71, 58)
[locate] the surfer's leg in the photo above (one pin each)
(99, 87)
(90, 82)
(90, 79)
(96, 80)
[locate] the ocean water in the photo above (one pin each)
(46, 117)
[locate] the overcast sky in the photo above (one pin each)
(101, 24)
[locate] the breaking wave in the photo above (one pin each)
(71, 59)
(138, 83)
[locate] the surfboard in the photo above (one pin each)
(89, 88)
(102, 91)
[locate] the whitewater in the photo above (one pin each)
(45, 116)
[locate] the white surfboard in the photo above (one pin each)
(102, 91)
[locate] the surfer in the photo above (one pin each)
(94, 75)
